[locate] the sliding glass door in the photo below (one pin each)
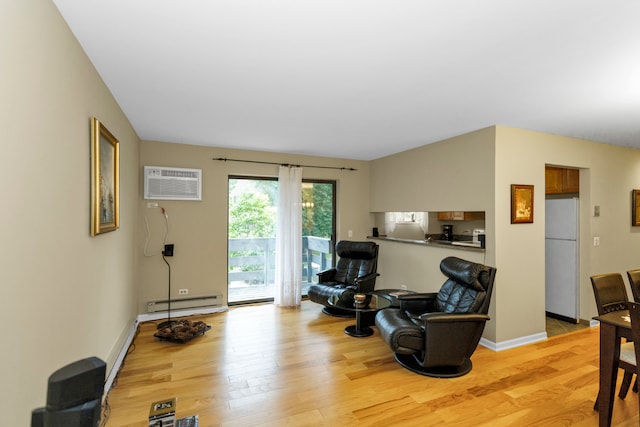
(251, 235)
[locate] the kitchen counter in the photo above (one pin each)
(464, 245)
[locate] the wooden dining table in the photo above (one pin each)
(613, 327)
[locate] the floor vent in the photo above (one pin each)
(185, 303)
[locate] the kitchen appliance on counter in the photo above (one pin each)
(477, 232)
(447, 232)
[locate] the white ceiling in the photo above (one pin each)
(362, 79)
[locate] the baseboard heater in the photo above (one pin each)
(184, 303)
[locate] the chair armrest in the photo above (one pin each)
(327, 275)
(366, 278)
(366, 283)
(415, 304)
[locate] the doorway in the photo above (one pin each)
(252, 210)
(562, 260)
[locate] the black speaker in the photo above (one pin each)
(37, 417)
(76, 383)
(84, 415)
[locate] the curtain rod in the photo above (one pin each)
(283, 164)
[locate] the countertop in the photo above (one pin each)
(460, 245)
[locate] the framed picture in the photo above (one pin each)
(521, 204)
(635, 208)
(105, 190)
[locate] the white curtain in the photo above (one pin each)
(288, 271)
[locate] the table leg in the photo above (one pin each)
(358, 330)
(609, 357)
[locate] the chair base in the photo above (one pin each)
(409, 362)
(336, 312)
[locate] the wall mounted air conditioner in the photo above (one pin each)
(164, 183)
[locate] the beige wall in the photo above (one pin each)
(454, 174)
(608, 174)
(199, 228)
(511, 156)
(68, 295)
(65, 295)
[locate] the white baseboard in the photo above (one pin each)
(517, 342)
(132, 333)
(121, 355)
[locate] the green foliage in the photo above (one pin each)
(317, 220)
(251, 210)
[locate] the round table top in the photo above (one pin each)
(372, 302)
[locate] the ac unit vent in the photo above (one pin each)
(163, 183)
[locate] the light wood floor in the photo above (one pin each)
(268, 366)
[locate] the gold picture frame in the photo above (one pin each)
(635, 208)
(521, 204)
(105, 187)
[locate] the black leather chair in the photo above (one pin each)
(355, 272)
(435, 334)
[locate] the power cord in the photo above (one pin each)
(148, 236)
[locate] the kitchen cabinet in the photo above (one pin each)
(561, 180)
(460, 216)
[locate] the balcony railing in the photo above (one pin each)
(252, 266)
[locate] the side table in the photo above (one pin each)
(372, 304)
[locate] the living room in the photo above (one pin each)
(81, 296)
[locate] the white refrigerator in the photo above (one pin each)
(561, 255)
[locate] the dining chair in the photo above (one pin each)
(634, 281)
(611, 295)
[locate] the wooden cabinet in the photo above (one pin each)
(460, 216)
(474, 216)
(450, 215)
(561, 180)
(571, 180)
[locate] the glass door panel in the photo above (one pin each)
(251, 235)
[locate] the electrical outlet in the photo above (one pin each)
(403, 287)
(183, 292)
(596, 241)
(350, 233)
(152, 205)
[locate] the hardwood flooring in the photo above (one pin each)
(267, 366)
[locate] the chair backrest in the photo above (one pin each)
(468, 287)
(355, 259)
(610, 292)
(634, 281)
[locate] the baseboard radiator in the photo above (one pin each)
(185, 303)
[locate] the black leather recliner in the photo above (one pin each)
(355, 272)
(435, 334)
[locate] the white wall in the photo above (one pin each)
(65, 295)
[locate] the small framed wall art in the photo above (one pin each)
(105, 188)
(635, 208)
(521, 204)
